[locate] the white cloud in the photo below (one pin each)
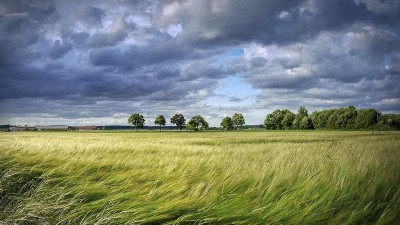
(173, 29)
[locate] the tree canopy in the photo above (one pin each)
(302, 121)
(341, 118)
(160, 120)
(238, 120)
(227, 123)
(197, 123)
(179, 120)
(279, 119)
(136, 120)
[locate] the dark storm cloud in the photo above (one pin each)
(59, 49)
(92, 14)
(80, 39)
(134, 56)
(219, 22)
(113, 35)
(393, 68)
(18, 30)
(97, 57)
(258, 62)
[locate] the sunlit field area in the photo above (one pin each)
(310, 177)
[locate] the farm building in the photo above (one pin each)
(53, 127)
(21, 128)
(14, 129)
(83, 127)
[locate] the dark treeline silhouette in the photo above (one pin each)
(342, 118)
(283, 119)
(348, 118)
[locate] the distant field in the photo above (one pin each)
(314, 177)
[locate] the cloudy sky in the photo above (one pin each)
(96, 62)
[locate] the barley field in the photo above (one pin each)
(304, 177)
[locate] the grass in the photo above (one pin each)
(325, 177)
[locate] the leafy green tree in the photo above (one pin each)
(272, 121)
(287, 121)
(315, 119)
(341, 119)
(179, 120)
(346, 118)
(392, 121)
(269, 122)
(238, 120)
(197, 123)
(350, 116)
(366, 118)
(136, 120)
(306, 123)
(323, 117)
(227, 123)
(332, 120)
(279, 119)
(160, 120)
(297, 122)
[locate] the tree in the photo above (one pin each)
(331, 123)
(317, 119)
(238, 120)
(279, 119)
(390, 120)
(366, 118)
(306, 123)
(351, 116)
(197, 123)
(297, 122)
(179, 120)
(160, 120)
(269, 122)
(287, 121)
(227, 123)
(136, 120)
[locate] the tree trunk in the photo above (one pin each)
(160, 127)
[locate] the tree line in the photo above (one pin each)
(283, 119)
(195, 123)
(341, 118)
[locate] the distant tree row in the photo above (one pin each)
(283, 119)
(236, 121)
(341, 118)
(196, 122)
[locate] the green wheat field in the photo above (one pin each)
(292, 177)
